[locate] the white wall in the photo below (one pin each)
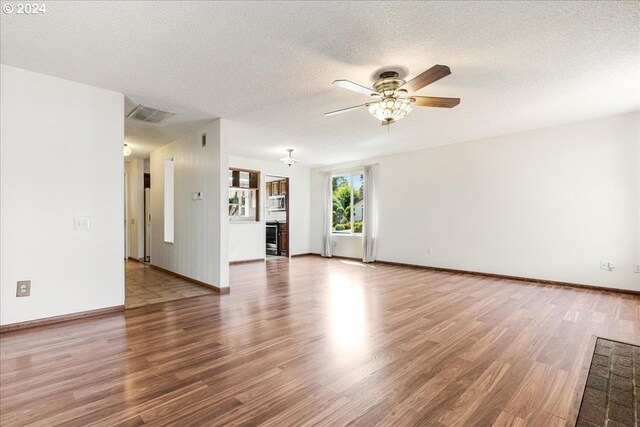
(135, 200)
(61, 157)
(247, 240)
(200, 245)
(546, 204)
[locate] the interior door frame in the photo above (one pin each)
(126, 216)
(266, 206)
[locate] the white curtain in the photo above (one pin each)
(327, 217)
(370, 216)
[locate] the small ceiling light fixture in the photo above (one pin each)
(126, 150)
(289, 160)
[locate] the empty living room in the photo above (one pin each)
(320, 213)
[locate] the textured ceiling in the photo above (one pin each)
(269, 66)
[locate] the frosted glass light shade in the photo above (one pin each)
(390, 109)
(126, 151)
(289, 160)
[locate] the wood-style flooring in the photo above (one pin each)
(145, 285)
(320, 342)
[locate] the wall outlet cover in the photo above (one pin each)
(23, 288)
(80, 223)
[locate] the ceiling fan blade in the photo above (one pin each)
(434, 101)
(346, 84)
(433, 74)
(344, 110)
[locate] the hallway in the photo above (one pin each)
(145, 285)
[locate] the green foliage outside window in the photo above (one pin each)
(347, 189)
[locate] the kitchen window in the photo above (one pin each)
(347, 203)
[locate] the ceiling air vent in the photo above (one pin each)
(148, 114)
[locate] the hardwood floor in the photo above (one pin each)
(145, 285)
(320, 342)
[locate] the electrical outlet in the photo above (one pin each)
(636, 268)
(23, 289)
(81, 223)
(430, 251)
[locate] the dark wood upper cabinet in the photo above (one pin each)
(244, 195)
(235, 178)
(253, 179)
(244, 179)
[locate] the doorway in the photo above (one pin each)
(147, 218)
(277, 236)
(144, 284)
(126, 216)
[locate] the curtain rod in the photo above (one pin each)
(355, 168)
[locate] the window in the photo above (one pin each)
(168, 201)
(347, 202)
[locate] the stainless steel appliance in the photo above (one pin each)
(273, 234)
(277, 203)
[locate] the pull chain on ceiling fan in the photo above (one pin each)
(393, 101)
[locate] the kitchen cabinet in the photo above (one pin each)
(277, 195)
(239, 178)
(283, 241)
(244, 195)
(277, 188)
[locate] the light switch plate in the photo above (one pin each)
(80, 223)
(23, 289)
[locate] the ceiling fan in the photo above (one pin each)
(392, 100)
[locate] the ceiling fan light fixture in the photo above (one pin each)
(390, 109)
(126, 151)
(395, 95)
(289, 160)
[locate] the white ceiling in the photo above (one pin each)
(269, 66)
